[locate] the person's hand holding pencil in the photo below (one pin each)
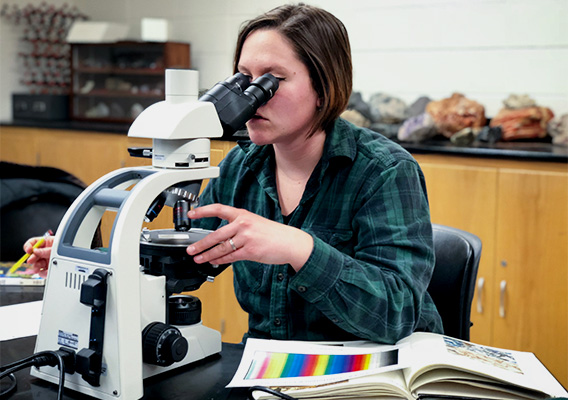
(38, 251)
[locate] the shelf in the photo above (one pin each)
(119, 71)
(115, 82)
(115, 94)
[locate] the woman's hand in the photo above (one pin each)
(39, 259)
(248, 236)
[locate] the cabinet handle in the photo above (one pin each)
(480, 286)
(503, 289)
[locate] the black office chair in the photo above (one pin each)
(453, 281)
(32, 201)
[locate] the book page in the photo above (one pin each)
(389, 385)
(292, 363)
(465, 384)
(22, 276)
(431, 351)
(454, 389)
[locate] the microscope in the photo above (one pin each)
(118, 311)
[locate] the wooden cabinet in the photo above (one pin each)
(520, 212)
(116, 81)
(18, 145)
(87, 155)
(531, 266)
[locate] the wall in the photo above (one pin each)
(10, 64)
(485, 49)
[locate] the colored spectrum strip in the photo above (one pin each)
(268, 365)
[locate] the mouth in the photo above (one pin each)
(257, 117)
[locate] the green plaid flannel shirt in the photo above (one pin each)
(366, 207)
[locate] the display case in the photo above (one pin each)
(114, 82)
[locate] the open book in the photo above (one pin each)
(19, 277)
(423, 365)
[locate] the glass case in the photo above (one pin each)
(114, 82)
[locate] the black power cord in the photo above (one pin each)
(8, 392)
(52, 358)
(273, 392)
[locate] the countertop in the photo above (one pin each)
(521, 150)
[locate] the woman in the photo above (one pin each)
(326, 224)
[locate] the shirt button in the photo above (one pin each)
(280, 277)
(277, 322)
(302, 289)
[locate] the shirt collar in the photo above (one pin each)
(340, 143)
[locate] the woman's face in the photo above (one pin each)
(289, 114)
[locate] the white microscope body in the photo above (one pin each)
(97, 302)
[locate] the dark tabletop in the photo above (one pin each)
(528, 150)
(205, 379)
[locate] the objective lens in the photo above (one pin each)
(155, 208)
(181, 220)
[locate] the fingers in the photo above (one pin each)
(28, 246)
(224, 259)
(39, 266)
(221, 254)
(38, 255)
(30, 243)
(42, 252)
(214, 210)
(216, 242)
(220, 235)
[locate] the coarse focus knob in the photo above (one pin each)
(184, 310)
(163, 344)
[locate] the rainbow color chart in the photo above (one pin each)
(267, 365)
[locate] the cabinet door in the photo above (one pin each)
(18, 145)
(532, 271)
(87, 155)
(463, 197)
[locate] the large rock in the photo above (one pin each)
(455, 113)
(523, 123)
(387, 109)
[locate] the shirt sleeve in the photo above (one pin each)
(379, 293)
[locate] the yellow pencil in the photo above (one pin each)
(22, 260)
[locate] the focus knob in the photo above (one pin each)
(184, 310)
(163, 344)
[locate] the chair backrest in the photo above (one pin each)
(453, 281)
(33, 200)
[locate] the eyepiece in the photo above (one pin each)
(236, 83)
(239, 80)
(263, 88)
(236, 99)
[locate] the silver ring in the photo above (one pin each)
(232, 244)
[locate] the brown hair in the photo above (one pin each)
(321, 42)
